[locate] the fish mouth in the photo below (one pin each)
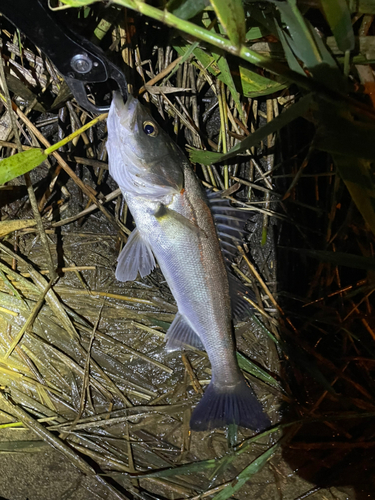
(128, 112)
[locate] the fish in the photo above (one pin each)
(175, 227)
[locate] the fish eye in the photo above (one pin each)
(150, 128)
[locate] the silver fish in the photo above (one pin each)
(175, 225)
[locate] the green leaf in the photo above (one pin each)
(78, 3)
(290, 57)
(203, 465)
(363, 6)
(250, 367)
(339, 134)
(246, 474)
(309, 47)
(255, 85)
(328, 71)
(75, 134)
(299, 109)
(226, 77)
(232, 18)
(163, 324)
(23, 446)
(306, 363)
(303, 43)
(365, 48)
(339, 258)
(359, 180)
(255, 32)
(339, 20)
(20, 163)
(207, 60)
(251, 83)
(185, 56)
(186, 9)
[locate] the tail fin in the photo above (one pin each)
(218, 408)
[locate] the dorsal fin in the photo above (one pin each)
(230, 223)
(230, 226)
(241, 308)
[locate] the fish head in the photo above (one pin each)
(143, 159)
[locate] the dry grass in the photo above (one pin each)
(82, 360)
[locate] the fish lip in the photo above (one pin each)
(126, 113)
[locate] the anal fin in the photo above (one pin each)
(136, 257)
(180, 335)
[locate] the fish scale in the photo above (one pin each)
(175, 226)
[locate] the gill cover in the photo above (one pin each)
(143, 160)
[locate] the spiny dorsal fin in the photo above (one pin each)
(136, 257)
(230, 223)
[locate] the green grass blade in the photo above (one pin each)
(338, 16)
(23, 446)
(210, 37)
(250, 367)
(20, 163)
(232, 18)
(216, 65)
(226, 77)
(78, 3)
(75, 134)
(339, 258)
(303, 43)
(256, 85)
(250, 82)
(201, 466)
(246, 474)
(163, 324)
(208, 157)
(207, 60)
(359, 180)
(187, 9)
(255, 32)
(11, 425)
(185, 52)
(307, 363)
(23, 162)
(342, 135)
(328, 72)
(290, 57)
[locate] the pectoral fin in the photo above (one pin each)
(164, 213)
(180, 334)
(136, 257)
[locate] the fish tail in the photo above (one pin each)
(219, 407)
